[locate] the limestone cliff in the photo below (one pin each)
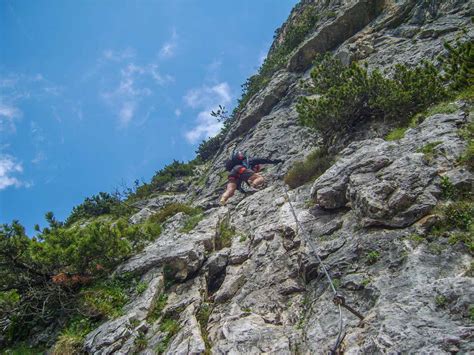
(264, 292)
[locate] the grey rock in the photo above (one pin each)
(267, 292)
(391, 184)
(461, 179)
(117, 335)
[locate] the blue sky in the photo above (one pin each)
(95, 94)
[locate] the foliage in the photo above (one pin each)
(457, 223)
(202, 317)
(372, 257)
(312, 167)
(103, 203)
(459, 63)
(441, 301)
(162, 177)
(396, 134)
(468, 156)
(71, 338)
(447, 189)
(459, 215)
(209, 147)
(428, 150)
(158, 305)
(141, 287)
(140, 342)
(105, 299)
(429, 147)
(58, 274)
(23, 349)
(350, 95)
(169, 326)
(191, 222)
(225, 233)
(171, 209)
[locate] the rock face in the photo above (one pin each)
(393, 184)
(263, 291)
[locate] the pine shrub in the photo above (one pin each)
(347, 96)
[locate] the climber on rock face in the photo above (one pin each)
(244, 169)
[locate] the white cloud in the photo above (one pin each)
(177, 112)
(207, 98)
(8, 168)
(118, 56)
(8, 115)
(207, 126)
(169, 47)
(126, 113)
(132, 89)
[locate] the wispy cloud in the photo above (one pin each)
(18, 88)
(207, 99)
(132, 88)
(169, 47)
(118, 55)
(8, 115)
(177, 112)
(9, 167)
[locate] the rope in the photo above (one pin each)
(338, 299)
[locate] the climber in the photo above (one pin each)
(243, 169)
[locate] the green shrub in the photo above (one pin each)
(467, 158)
(350, 95)
(141, 287)
(202, 317)
(191, 222)
(104, 299)
(312, 167)
(225, 233)
(458, 215)
(169, 326)
(162, 177)
(396, 134)
(140, 342)
(171, 209)
(23, 349)
(428, 150)
(441, 301)
(157, 307)
(72, 337)
(103, 203)
(209, 147)
(459, 63)
(448, 192)
(49, 278)
(372, 257)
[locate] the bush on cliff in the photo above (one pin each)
(41, 278)
(347, 96)
(100, 204)
(312, 167)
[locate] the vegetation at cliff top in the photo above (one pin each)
(295, 33)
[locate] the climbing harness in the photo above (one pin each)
(338, 299)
